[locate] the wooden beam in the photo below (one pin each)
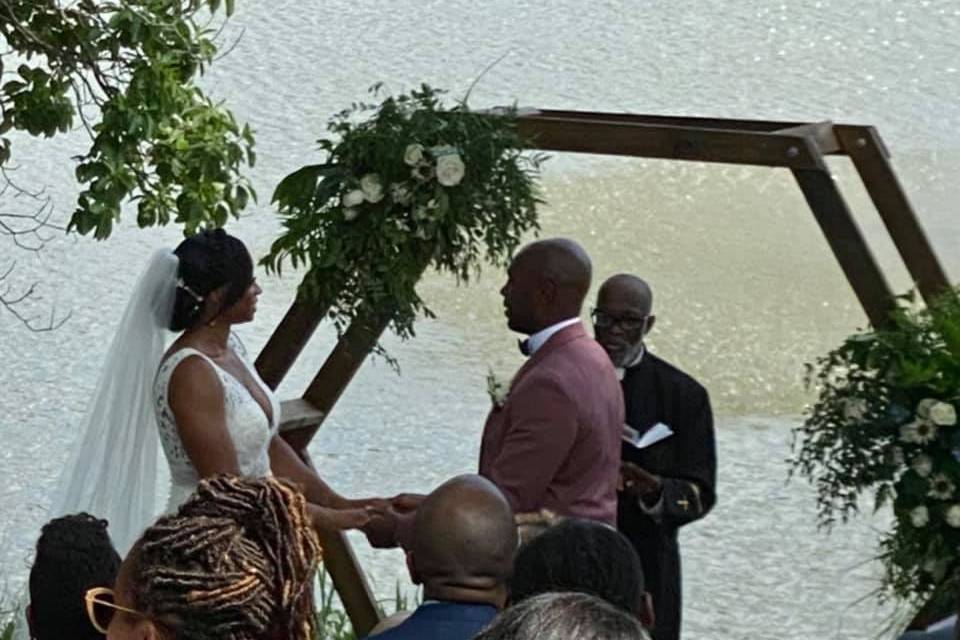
(299, 414)
(848, 244)
(869, 156)
(288, 340)
(670, 142)
(350, 582)
(821, 133)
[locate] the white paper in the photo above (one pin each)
(653, 435)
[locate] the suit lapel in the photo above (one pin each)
(560, 338)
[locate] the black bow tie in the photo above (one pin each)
(524, 346)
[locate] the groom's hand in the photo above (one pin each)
(381, 529)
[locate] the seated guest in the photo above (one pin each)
(236, 562)
(564, 616)
(943, 630)
(462, 553)
(584, 557)
(74, 554)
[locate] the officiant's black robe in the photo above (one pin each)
(654, 391)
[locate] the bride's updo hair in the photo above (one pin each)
(237, 562)
(209, 260)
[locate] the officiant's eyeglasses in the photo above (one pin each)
(605, 320)
(101, 607)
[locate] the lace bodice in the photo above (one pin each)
(247, 423)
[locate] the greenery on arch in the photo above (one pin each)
(405, 184)
(885, 424)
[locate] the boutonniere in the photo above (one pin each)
(498, 390)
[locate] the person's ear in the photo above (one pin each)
(651, 320)
(412, 569)
(144, 629)
(547, 292)
(647, 617)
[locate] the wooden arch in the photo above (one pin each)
(800, 147)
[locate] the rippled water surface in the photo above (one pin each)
(747, 291)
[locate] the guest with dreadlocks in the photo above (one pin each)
(236, 562)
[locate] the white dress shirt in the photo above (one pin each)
(621, 371)
(540, 338)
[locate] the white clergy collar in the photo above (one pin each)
(540, 338)
(622, 371)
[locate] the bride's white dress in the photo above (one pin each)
(247, 423)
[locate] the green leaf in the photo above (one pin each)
(299, 185)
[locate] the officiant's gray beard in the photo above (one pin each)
(629, 355)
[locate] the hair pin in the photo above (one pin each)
(183, 285)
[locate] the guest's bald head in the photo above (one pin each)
(465, 541)
(547, 283)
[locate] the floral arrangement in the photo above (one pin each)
(885, 423)
(497, 389)
(405, 184)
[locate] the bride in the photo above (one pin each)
(201, 399)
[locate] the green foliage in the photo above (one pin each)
(332, 622)
(157, 139)
(403, 185)
(885, 423)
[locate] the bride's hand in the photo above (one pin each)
(374, 505)
(340, 519)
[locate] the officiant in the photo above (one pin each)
(668, 468)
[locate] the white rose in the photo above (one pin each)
(855, 409)
(413, 155)
(350, 214)
(400, 193)
(371, 187)
(919, 517)
(923, 465)
(352, 198)
(450, 170)
(953, 516)
(943, 414)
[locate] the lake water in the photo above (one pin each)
(747, 291)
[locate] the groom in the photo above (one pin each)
(554, 444)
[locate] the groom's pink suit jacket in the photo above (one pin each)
(555, 442)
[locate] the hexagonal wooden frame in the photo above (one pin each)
(800, 147)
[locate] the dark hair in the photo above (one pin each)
(581, 556)
(564, 616)
(209, 260)
(236, 562)
(74, 554)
